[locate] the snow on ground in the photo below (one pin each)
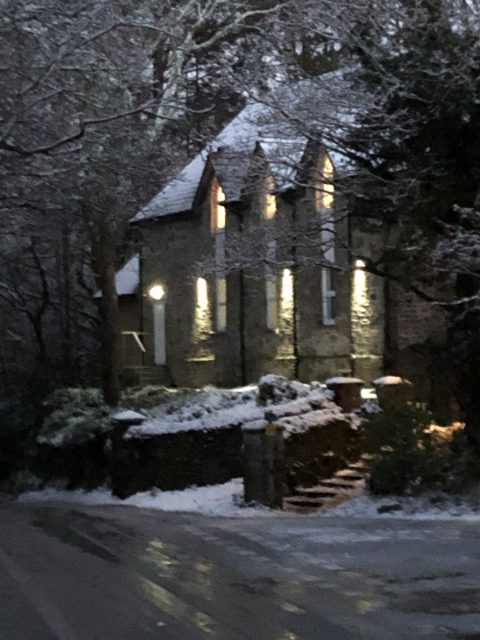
(430, 506)
(224, 500)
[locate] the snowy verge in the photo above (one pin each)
(430, 506)
(224, 500)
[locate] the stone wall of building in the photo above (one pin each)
(416, 349)
(197, 354)
(324, 349)
(367, 309)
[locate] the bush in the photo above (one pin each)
(149, 396)
(74, 416)
(409, 455)
(274, 389)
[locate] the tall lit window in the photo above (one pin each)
(218, 213)
(324, 200)
(269, 200)
(218, 218)
(268, 213)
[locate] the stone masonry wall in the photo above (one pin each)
(172, 249)
(177, 460)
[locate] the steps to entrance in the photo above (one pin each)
(343, 485)
(146, 376)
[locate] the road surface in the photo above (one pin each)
(120, 573)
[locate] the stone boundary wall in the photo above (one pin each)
(176, 460)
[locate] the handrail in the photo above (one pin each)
(136, 336)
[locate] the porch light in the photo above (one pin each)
(156, 292)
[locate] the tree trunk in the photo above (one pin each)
(464, 352)
(109, 327)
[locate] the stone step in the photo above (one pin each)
(350, 474)
(343, 485)
(360, 467)
(366, 458)
(317, 491)
(339, 483)
(302, 501)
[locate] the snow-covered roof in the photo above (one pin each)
(280, 129)
(127, 279)
(237, 139)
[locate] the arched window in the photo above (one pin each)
(324, 201)
(218, 219)
(218, 213)
(269, 199)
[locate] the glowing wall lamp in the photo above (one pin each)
(156, 292)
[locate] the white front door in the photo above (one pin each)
(159, 336)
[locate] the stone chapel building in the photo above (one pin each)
(248, 264)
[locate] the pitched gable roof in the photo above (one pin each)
(179, 194)
(230, 154)
(268, 128)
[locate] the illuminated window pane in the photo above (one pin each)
(269, 206)
(287, 286)
(218, 213)
(324, 190)
(202, 294)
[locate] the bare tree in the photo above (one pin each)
(88, 124)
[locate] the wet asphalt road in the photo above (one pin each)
(118, 573)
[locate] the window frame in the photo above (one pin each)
(218, 212)
(324, 208)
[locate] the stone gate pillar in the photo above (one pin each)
(264, 463)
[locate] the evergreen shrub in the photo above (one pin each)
(408, 455)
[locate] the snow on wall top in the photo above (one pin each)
(386, 381)
(343, 380)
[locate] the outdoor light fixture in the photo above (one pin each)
(360, 264)
(156, 292)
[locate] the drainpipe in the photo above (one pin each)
(296, 357)
(350, 289)
(236, 210)
(243, 358)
